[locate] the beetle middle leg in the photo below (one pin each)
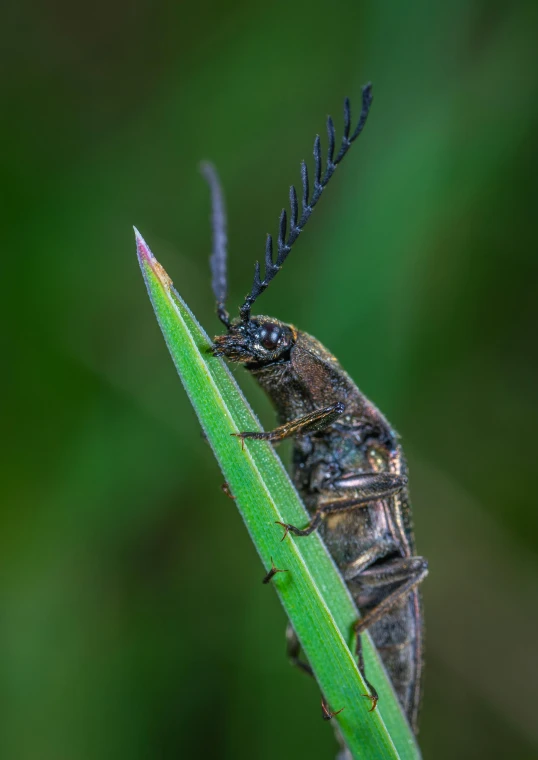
(367, 487)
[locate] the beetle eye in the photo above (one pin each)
(269, 337)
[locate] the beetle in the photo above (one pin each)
(348, 464)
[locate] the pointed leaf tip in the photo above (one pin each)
(142, 248)
(147, 259)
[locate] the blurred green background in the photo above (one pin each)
(134, 623)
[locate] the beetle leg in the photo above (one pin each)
(368, 487)
(225, 488)
(272, 572)
(309, 423)
(367, 558)
(293, 650)
(375, 485)
(409, 572)
(372, 695)
(326, 712)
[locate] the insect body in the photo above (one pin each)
(348, 465)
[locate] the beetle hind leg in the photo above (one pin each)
(293, 650)
(372, 695)
(408, 572)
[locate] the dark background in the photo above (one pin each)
(134, 624)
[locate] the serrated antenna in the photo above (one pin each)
(321, 179)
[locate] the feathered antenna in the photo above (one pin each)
(307, 205)
(218, 257)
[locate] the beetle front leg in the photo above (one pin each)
(309, 423)
(368, 487)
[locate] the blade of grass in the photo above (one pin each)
(312, 592)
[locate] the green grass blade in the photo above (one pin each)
(312, 591)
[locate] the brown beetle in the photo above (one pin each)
(348, 464)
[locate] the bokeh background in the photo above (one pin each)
(134, 624)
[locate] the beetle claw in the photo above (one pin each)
(327, 713)
(373, 699)
(285, 526)
(272, 572)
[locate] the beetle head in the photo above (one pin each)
(259, 340)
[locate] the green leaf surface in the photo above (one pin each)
(312, 592)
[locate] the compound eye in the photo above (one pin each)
(269, 337)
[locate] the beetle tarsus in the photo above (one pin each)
(242, 437)
(285, 526)
(374, 698)
(326, 712)
(272, 572)
(310, 528)
(225, 488)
